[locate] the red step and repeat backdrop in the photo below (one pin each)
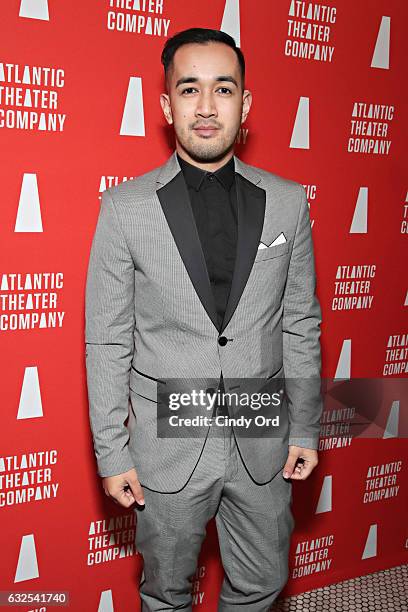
(79, 112)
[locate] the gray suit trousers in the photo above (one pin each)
(254, 525)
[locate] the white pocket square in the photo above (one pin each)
(279, 240)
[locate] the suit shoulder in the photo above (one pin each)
(282, 182)
(283, 194)
(140, 187)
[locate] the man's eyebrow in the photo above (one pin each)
(191, 79)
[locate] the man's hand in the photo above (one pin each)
(303, 469)
(125, 489)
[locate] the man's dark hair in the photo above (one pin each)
(201, 36)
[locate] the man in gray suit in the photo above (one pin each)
(203, 269)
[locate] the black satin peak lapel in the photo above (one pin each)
(175, 202)
(251, 211)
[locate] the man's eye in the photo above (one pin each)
(191, 88)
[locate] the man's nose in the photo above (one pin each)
(206, 105)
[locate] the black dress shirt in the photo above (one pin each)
(213, 199)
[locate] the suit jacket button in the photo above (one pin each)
(222, 340)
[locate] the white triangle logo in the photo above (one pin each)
(300, 133)
(370, 549)
(34, 9)
(106, 602)
(29, 211)
(343, 370)
(391, 428)
(230, 20)
(30, 405)
(381, 55)
(133, 115)
(27, 566)
(359, 222)
(325, 500)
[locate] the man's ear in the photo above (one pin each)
(246, 104)
(166, 107)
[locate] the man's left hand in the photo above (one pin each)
(300, 470)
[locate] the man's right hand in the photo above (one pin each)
(125, 489)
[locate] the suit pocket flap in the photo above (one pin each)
(143, 384)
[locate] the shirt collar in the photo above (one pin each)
(194, 176)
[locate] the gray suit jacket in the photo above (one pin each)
(150, 315)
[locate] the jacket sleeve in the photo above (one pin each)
(301, 337)
(109, 340)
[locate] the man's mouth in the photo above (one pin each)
(206, 130)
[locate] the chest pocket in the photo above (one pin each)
(271, 252)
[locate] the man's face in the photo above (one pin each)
(199, 98)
